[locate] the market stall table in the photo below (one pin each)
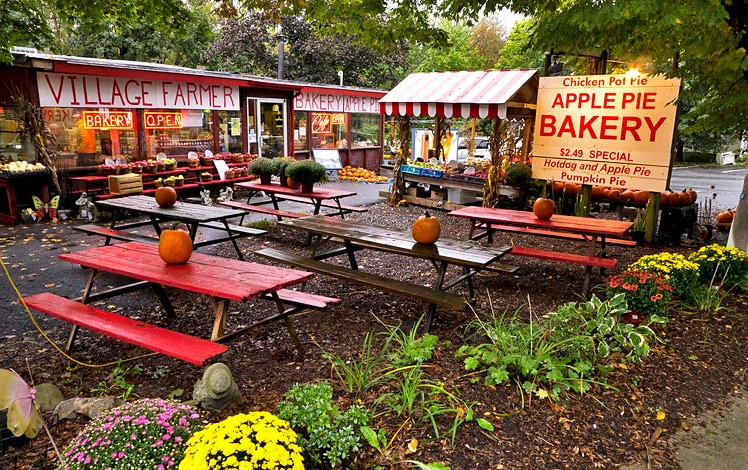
(319, 198)
(485, 221)
(470, 257)
(222, 279)
(195, 216)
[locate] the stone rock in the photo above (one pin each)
(217, 389)
(738, 237)
(90, 407)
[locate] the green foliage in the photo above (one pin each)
(261, 166)
(412, 348)
(518, 51)
(117, 382)
(362, 373)
(328, 436)
(705, 300)
(306, 172)
(518, 173)
(455, 54)
(280, 164)
(718, 264)
(563, 351)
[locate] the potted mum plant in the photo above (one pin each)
(262, 167)
(279, 168)
(306, 173)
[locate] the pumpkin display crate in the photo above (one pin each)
(126, 184)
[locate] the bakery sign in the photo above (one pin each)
(107, 119)
(610, 130)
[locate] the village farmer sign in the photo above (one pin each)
(609, 130)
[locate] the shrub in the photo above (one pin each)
(645, 292)
(280, 164)
(720, 264)
(306, 172)
(244, 441)
(261, 166)
(328, 436)
(680, 273)
(147, 433)
(518, 173)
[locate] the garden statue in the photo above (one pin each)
(205, 194)
(86, 208)
(226, 194)
(217, 389)
(738, 237)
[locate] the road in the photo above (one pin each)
(727, 182)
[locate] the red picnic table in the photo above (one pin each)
(222, 279)
(485, 221)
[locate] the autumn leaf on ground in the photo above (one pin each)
(660, 415)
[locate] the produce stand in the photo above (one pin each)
(488, 94)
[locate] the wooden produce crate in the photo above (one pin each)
(126, 184)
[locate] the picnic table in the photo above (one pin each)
(469, 256)
(223, 280)
(321, 197)
(195, 216)
(486, 221)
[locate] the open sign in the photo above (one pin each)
(162, 120)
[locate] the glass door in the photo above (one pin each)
(267, 127)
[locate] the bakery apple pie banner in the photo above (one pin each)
(609, 130)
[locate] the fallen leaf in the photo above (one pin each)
(413, 445)
(660, 415)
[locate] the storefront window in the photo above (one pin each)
(365, 130)
(12, 145)
(230, 132)
(177, 138)
(329, 130)
(300, 119)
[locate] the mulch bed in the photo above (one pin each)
(699, 367)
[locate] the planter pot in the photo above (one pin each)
(307, 187)
(292, 184)
(265, 179)
(283, 181)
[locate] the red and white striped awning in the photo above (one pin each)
(467, 94)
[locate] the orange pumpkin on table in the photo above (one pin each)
(543, 208)
(426, 229)
(175, 245)
(166, 196)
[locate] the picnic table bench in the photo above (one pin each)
(485, 221)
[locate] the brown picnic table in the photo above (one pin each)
(320, 198)
(195, 216)
(596, 233)
(469, 256)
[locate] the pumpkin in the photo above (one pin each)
(684, 198)
(694, 195)
(614, 194)
(598, 192)
(292, 184)
(724, 217)
(571, 188)
(641, 197)
(543, 208)
(558, 187)
(166, 196)
(426, 229)
(174, 245)
(628, 195)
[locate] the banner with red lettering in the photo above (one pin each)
(62, 90)
(610, 130)
(336, 103)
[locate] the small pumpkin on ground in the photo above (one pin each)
(166, 196)
(426, 229)
(175, 245)
(543, 208)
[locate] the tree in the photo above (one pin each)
(487, 40)
(48, 24)
(518, 52)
